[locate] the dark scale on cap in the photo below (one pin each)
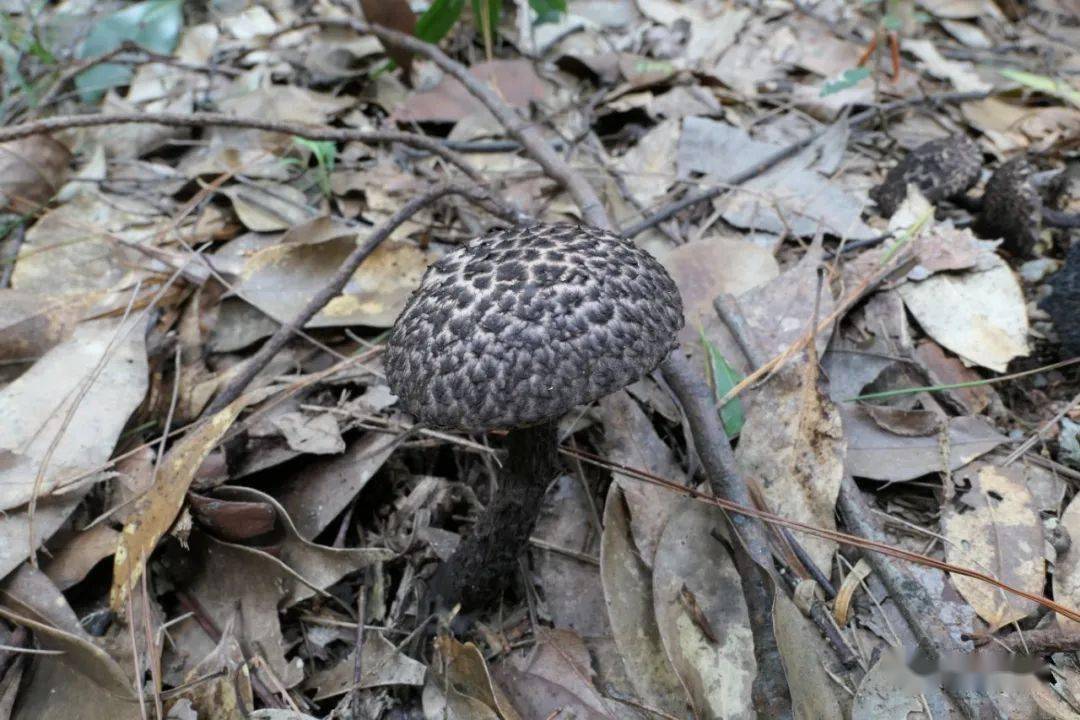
(940, 169)
(547, 331)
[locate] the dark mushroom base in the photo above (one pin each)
(485, 563)
(1064, 303)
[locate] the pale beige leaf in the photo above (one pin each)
(981, 316)
(993, 527)
(793, 445)
(712, 652)
(62, 417)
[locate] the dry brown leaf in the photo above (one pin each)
(462, 666)
(31, 324)
(888, 692)
(161, 504)
(909, 423)
(280, 281)
(219, 687)
(994, 528)
(1067, 568)
(631, 440)
(397, 15)
(76, 247)
(877, 454)
(515, 80)
(804, 654)
(943, 369)
(709, 268)
(269, 207)
(32, 170)
(381, 665)
(71, 562)
(793, 445)
(85, 680)
(321, 489)
(554, 677)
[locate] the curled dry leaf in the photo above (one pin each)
(909, 423)
(628, 594)
(161, 504)
(701, 614)
(78, 556)
(32, 170)
(994, 527)
(944, 369)
(81, 683)
(554, 677)
(460, 672)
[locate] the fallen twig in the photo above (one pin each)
(592, 209)
(212, 119)
(770, 691)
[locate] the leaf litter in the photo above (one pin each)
(142, 265)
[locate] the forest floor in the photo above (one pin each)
(211, 506)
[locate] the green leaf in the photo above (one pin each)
(548, 11)
(325, 151)
(723, 377)
(1044, 84)
(487, 25)
(850, 78)
(154, 25)
(437, 20)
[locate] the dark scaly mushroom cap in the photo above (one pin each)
(521, 325)
(940, 169)
(1012, 207)
(1064, 303)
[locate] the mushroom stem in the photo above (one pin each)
(486, 561)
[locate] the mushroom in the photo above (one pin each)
(1064, 303)
(1012, 207)
(941, 169)
(511, 331)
